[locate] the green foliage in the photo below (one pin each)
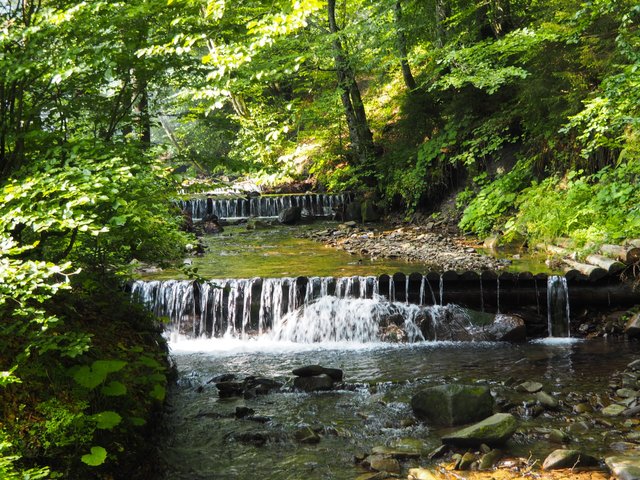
(97, 456)
(10, 471)
(494, 201)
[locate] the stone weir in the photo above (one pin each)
(240, 307)
(312, 204)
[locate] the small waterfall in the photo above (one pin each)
(558, 312)
(498, 295)
(481, 295)
(441, 288)
(317, 205)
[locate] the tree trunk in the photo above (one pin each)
(401, 43)
(442, 12)
(360, 135)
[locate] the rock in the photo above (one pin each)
(635, 365)
(353, 212)
(489, 459)
(582, 408)
(290, 216)
(466, 461)
(626, 393)
(252, 438)
(382, 463)
(369, 212)
(624, 468)
(421, 474)
(230, 389)
(399, 453)
(558, 436)
(529, 387)
(242, 412)
(562, 458)
(507, 328)
(495, 430)
(313, 384)
(613, 410)
(632, 328)
(453, 404)
(313, 370)
(306, 435)
(257, 224)
(546, 400)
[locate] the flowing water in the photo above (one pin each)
(205, 441)
(280, 303)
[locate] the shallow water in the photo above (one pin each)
(203, 438)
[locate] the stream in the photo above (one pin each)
(228, 328)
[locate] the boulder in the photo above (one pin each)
(257, 224)
(562, 458)
(529, 387)
(624, 468)
(382, 463)
(507, 328)
(369, 212)
(290, 215)
(353, 212)
(313, 370)
(632, 329)
(495, 430)
(313, 384)
(453, 404)
(546, 400)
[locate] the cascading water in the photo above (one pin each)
(304, 310)
(317, 205)
(558, 312)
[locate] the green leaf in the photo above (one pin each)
(158, 392)
(106, 420)
(114, 389)
(88, 378)
(108, 366)
(137, 421)
(97, 457)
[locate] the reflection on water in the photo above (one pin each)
(204, 437)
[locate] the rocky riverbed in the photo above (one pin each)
(430, 243)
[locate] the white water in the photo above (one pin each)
(558, 311)
(322, 205)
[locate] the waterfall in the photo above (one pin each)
(317, 205)
(558, 312)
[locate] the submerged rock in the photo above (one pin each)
(632, 328)
(453, 404)
(382, 463)
(562, 458)
(529, 387)
(495, 430)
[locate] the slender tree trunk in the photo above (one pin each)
(401, 43)
(441, 13)
(360, 135)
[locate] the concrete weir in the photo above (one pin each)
(241, 306)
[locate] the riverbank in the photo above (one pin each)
(432, 243)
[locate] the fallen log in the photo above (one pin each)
(609, 264)
(624, 254)
(593, 272)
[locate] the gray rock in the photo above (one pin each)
(562, 458)
(313, 384)
(453, 404)
(624, 468)
(495, 430)
(558, 436)
(529, 387)
(489, 459)
(382, 463)
(613, 410)
(632, 328)
(507, 328)
(635, 365)
(466, 461)
(546, 400)
(290, 215)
